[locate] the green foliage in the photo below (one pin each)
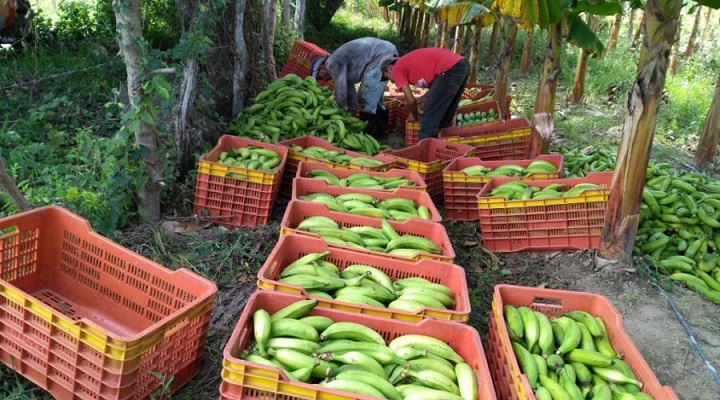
(347, 25)
(76, 21)
(285, 36)
(161, 23)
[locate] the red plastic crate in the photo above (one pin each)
(305, 186)
(460, 190)
(297, 211)
(428, 158)
(412, 133)
(484, 106)
(291, 247)
(562, 223)
(419, 184)
(84, 318)
(307, 141)
(246, 380)
(208, 163)
(507, 377)
(301, 54)
(391, 104)
(507, 140)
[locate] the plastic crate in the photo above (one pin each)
(481, 88)
(246, 380)
(412, 133)
(391, 104)
(428, 158)
(484, 106)
(460, 190)
(507, 140)
(306, 166)
(305, 186)
(291, 247)
(84, 318)
(208, 162)
(508, 379)
(297, 211)
(301, 54)
(561, 223)
(307, 141)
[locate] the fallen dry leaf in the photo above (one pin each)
(185, 226)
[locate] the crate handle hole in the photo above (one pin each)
(546, 301)
(9, 231)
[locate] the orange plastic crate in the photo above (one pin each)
(562, 223)
(412, 133)
(507, 140)
(460, 190)
(305, 186)
(301, 54)
(246, 380)
(507, 377)
(297, 211)
(208, 163)
(84, 318)
(428, 158)
(307, 141)
(291, 247)
(306, 166)
(234, 202)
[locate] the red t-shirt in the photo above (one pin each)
(420, 67)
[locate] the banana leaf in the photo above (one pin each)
(610, 7)
(581, 35)
(385, 3)
(709, 3)
(463, 13)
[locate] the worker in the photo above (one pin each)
(359, 61)
(443, 72)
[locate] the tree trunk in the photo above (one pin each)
(527, 52)
(386, 14)
(711, 132)
(672, 69)
(418, 27)
(707, 28)
(300, 18)
(287, 10)
(475, 49)
(426, 30)
(493, 40)
(622, 215)
(129, 26)
(240, 58)
(631, 23)
(639, 30)
(438, 32)
(693, 35)
(185, 139)
(321, 12)
(509, 34)
(578, 91)
(547, 87)
(8, 185)
(411, 24)
(445, 34)
(615, 32)
(459, 39)
(404, 20)
(268, 31)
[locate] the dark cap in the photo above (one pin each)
(315, 65)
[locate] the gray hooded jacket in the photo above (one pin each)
(359, 61)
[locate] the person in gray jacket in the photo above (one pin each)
(358, 61)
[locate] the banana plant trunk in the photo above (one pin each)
(547, 87)
(509, 34)
(492, 46)
(672, 69)
(459, 39)
(426, 30)
(412, 24)
(639, 30)
(631, 24)
(710, 136)
(578, 90)
(614, 32)
(418, 28)
(129, 26)
(622, 215)
(443, 35)
(693, 35)
(527, 52)
(475, 49)
(707, 27)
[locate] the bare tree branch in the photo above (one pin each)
(8, 185)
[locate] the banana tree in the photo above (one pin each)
(466, 16)
(690, 48)
(622, 215)
(710, 136)
(578, 89)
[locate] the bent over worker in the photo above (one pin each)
(358, 61)
(441, 70)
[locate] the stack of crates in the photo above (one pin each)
(301, 55)
(460, 190)
(84, 318)
(428, 158)
(506, 140)
(511, 383)
(235, 196)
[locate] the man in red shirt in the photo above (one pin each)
(443, 71)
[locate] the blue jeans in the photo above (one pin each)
(442, 99)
